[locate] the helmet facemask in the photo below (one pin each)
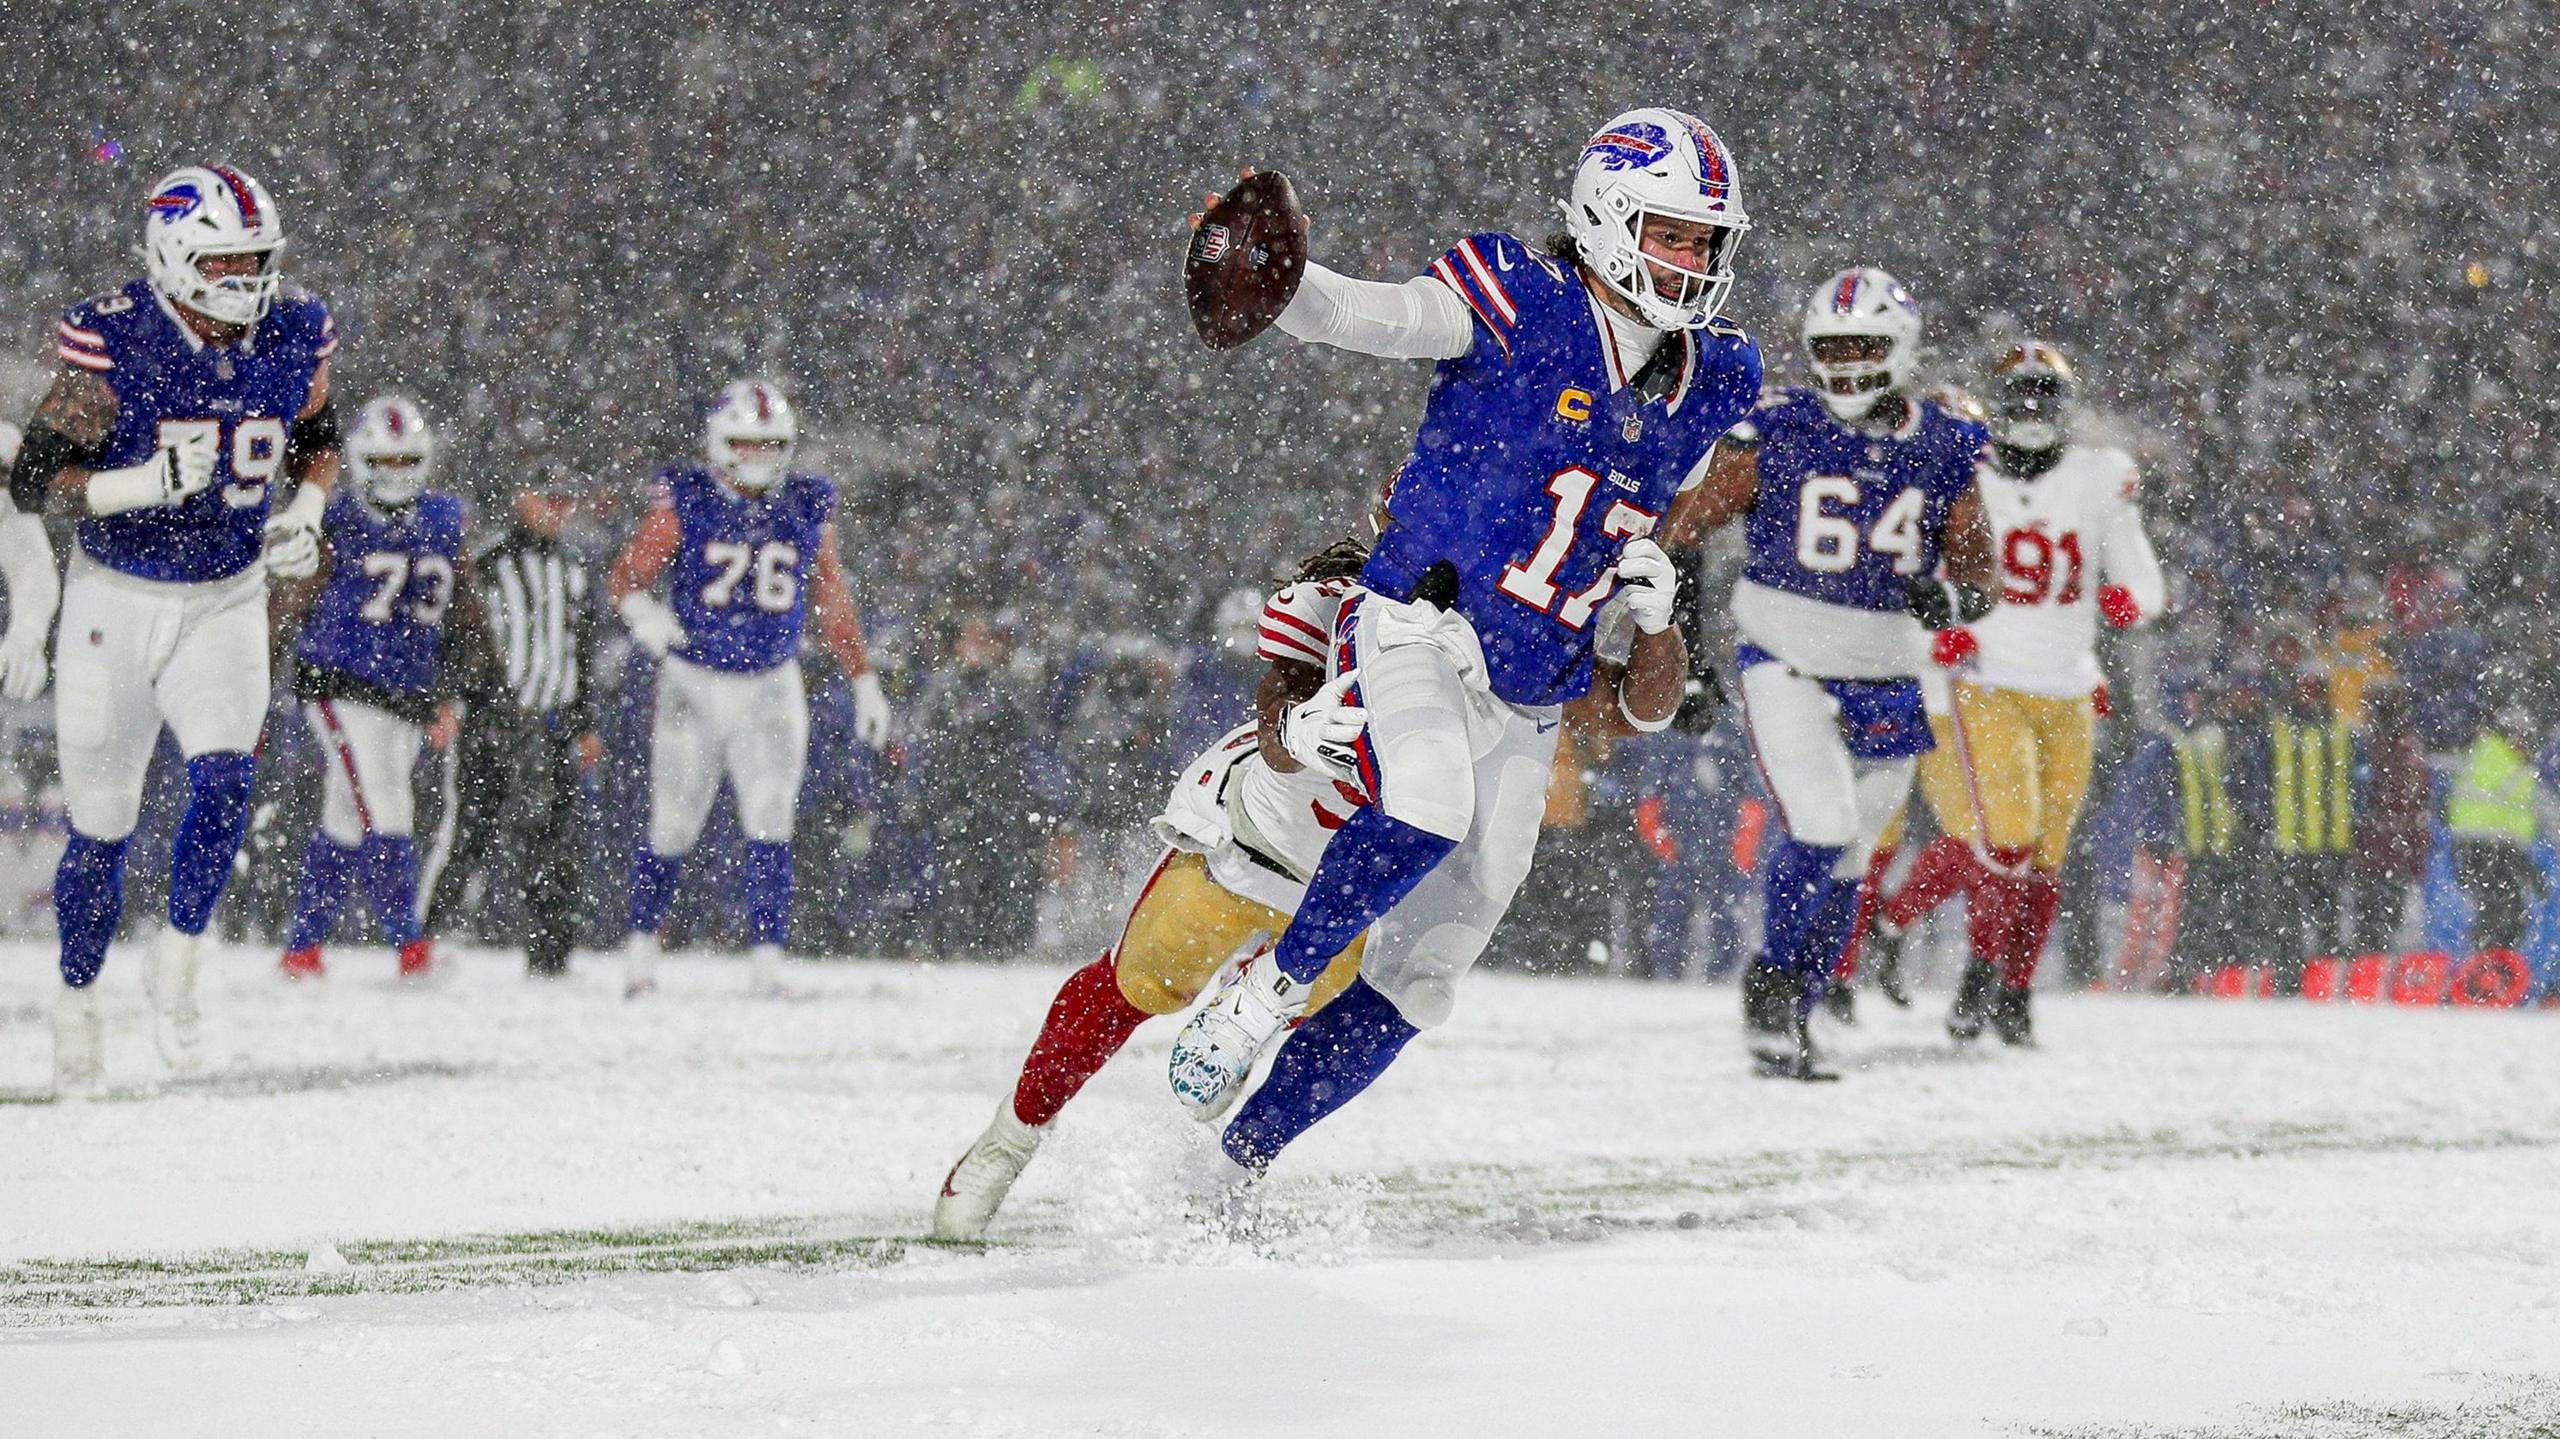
(1852, 372)
(391, 453)
(751, 435)
(2031, 411)
(1669, 294)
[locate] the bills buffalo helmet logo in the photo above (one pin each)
(175, 203)
(1636, 146)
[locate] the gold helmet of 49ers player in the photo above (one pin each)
(2032, 390)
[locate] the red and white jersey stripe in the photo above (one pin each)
(1297, 622)
(82, 347)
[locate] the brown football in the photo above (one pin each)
(1245, 260)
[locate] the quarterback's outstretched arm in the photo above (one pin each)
(1420, 319)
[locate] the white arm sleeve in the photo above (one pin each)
(2131, 562)
(1417, 320)
(26, 566)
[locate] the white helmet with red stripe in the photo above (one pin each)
(390, 450)
(751, 434)
(1861, 338)
(1658, 165)
(206, 211)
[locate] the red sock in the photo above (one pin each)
(2040, 899)
(1870, 887)
(1087, 1024)
(1994, 903)
(1945, 869)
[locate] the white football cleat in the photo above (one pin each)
(639, 964)
(976, 1186)
(1218, 1047)
(79, 1063)
(176, 1020)
(764, 971)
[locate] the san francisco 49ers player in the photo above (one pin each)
(184, 397)
(1243, 829)
(2072, 552)
(748, 548)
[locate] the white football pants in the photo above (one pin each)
(1457, 762)
(754, 728)
(369, 759)
(1824, 794)
(134, 654)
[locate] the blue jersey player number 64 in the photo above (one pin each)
(1827, 542)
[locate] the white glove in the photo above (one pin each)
(293, 535)
(870, 710)
(22, 668)
(1650, 582)
(1319, 731)
(182, 466)
(653, 626)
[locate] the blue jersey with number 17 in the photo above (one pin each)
(740, 581)
(1537, 460)
(1850, 516)
(168, 382)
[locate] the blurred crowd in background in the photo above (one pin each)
(2296, 254)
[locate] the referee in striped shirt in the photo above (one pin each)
(515, 768)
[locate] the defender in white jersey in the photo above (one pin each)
(1243, 828)
(2068, 535)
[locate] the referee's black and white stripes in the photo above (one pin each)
(542, 624)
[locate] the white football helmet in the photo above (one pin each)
(2032, 391)
(751, 412)
(1863, 304)
(1657, 164)
(390, 451)
(205, 211)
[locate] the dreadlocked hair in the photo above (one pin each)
(1341, 560)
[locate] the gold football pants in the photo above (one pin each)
(1942, 785)
(2024, 761)
(1185, 926)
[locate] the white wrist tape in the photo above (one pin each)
(135, 487)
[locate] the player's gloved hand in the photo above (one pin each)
(22, 668)
(2101, 703)
(1938, 603)
(870, 710)
(1953, 646)
(1320, 731)
(183, 466)
(653, 626)
(293, 536)
(1650, 582)
(2116, 606)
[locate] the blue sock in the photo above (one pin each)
(768, 892)
(1796, 884)
(1370, 863)
(325, 865)
(1329, 1059)
(389, 864)
(88, 898)
(208, 841)
(653, 887)
(1825, 940)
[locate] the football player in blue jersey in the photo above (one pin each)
(183, 400)
(1581, 386)
(748, 547)
(1851, 493)
(370, 667)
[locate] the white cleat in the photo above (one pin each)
(764, 971)
(1218, 1047)
(79, 1063)
(640, 965)
(976, 1186)
(176, 1020)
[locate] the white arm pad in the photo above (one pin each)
(26, 566)
(1645, 726)
(1417, 320)
(308, 504)
(135, 487)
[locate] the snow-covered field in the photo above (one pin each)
(497, 1208)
